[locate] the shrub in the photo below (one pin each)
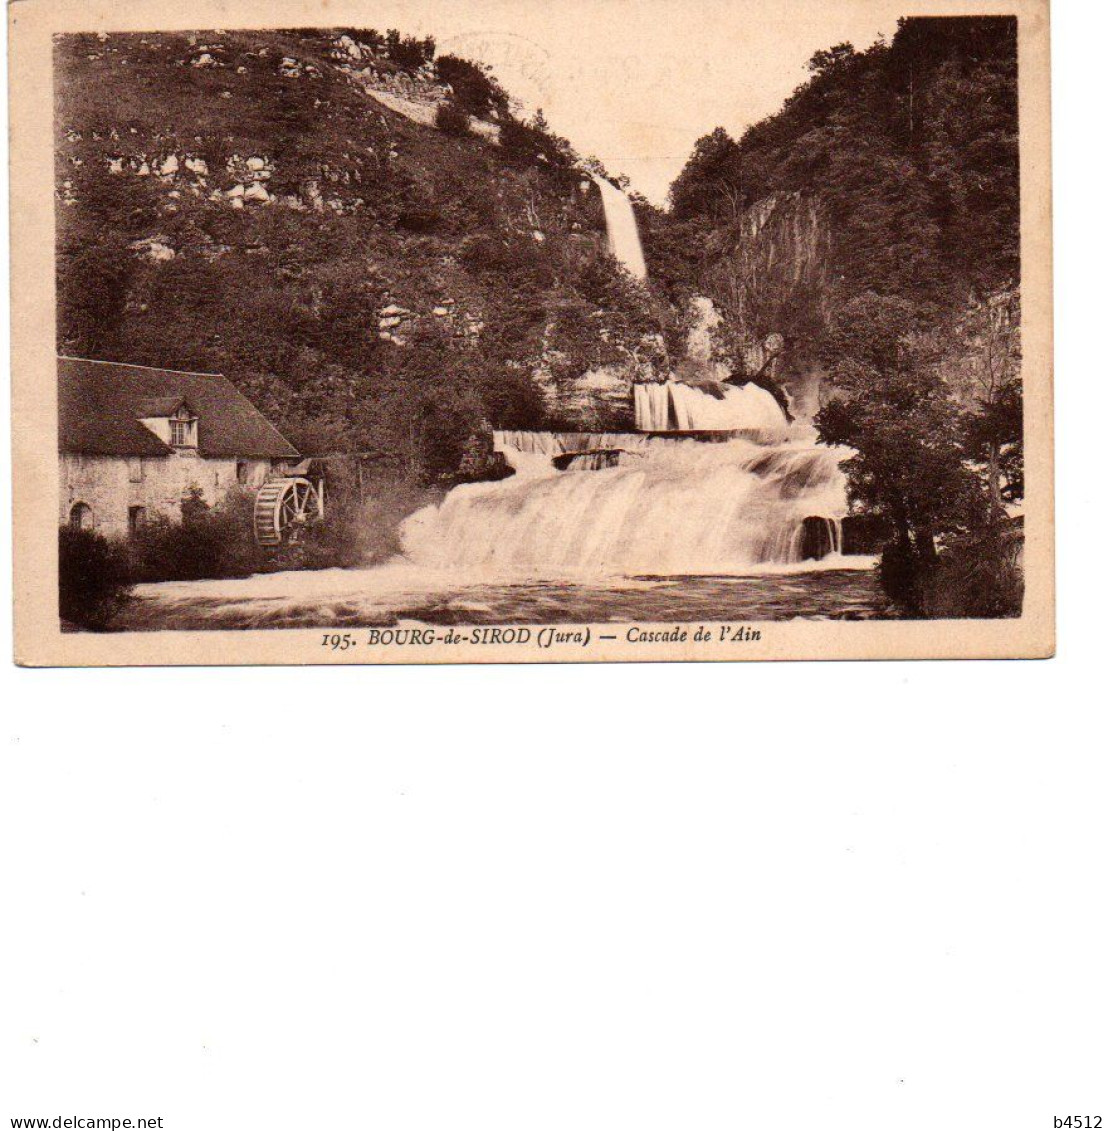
(93, 578)
(452, 120)
(511, 398)
(473, 87)
(517, 262)
(520, 144)
(408, 52)
(209, 542)
(525, 144)
(216, 542)
(980, 578)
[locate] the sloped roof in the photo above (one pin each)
(100, 404)
(159, 406)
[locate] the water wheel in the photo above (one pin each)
(284, 508)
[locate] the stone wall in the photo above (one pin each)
(110, 485)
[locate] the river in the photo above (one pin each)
(398, 592)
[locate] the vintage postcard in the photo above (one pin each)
(437, 332)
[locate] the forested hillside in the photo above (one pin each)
(326, 217)
(907, 150)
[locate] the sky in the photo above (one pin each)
(637, 82)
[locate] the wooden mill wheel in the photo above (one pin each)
(283, 510)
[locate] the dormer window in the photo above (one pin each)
(183, 429)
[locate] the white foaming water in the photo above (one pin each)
(672, 406)
(623, 239)
(677, 507)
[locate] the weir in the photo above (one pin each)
(663, 499)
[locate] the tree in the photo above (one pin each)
(893, 409)
(987, 381)
(709, 184)
(92, 295)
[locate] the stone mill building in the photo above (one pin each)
(133, 441)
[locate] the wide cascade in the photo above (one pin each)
(636, 504)
(714, 480)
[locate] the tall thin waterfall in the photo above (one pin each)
(608, 504)
(623, 240)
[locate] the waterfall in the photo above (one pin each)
(672, 406)
(623, 240)
(665, 506)
(713, 482)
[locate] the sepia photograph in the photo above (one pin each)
(399, 327)
(556, 566)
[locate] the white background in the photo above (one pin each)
(793, 896)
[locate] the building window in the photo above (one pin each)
(241, 472)
(180, 433)
(135, 469)
(81, 517)
(137, 516)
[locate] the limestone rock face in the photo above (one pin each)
(348, 46)
(155, 248)
(776, 260)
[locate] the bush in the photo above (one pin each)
(473, 88)
(979, 578)
(209, 542)
(511, 398)
(409, 52)
(452, 120)
(976, 577)
(517, 263)
(93, 578)
(217, 542)
(520, 143)
(527, 143)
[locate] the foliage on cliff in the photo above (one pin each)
(909, 147)
(243, 202)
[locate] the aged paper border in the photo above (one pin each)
(39, 640)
